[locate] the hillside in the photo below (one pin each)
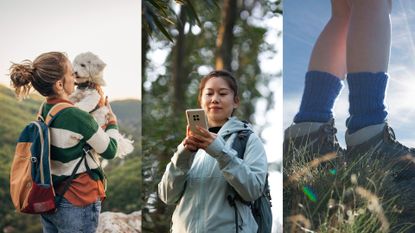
(124, 175)
(16, 114)
(129, 116)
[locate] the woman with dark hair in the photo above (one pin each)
(78, 211)
(205, 169)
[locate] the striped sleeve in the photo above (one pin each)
(101, 141)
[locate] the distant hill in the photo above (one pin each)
(124, 176)
(15, 114)
(128, 113)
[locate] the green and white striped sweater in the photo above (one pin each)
(69, 133)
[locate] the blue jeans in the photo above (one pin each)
(72, 219)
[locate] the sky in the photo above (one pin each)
(302, 26)
(110, 29)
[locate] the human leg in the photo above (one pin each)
(368, 133)
(48, 226)
(329, 51)
(326, 68)
(72, 219)
(369, 37)
(314, 127)
(368, 49)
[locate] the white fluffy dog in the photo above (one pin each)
(88, 96)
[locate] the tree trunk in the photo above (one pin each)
(179, 76)
(224, 41)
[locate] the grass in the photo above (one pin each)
(333, 193)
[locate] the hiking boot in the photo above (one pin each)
(384, 147)
(311, 154)
(311, 140)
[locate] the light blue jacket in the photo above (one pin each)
(198, 183)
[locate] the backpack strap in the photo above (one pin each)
(39, 112)
(87, 151)
(53, 112)
(239, 145)
(60, 193)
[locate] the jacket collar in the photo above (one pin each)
(233, 125)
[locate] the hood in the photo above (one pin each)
(233, 125)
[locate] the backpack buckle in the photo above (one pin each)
(86, 149)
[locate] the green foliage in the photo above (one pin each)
(124, 186)
(123, 174)
(15, 114)
(159, 15)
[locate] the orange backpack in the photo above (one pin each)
(31, 186)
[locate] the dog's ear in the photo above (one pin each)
(101, 65)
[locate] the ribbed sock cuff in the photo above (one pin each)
(320, 92)
(366, 97)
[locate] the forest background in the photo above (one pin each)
(181, 42)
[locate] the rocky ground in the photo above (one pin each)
(110, 222)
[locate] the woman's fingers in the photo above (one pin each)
(205, 135)
(190, 144)
(200, 139)
(187, 130)
(202, 131)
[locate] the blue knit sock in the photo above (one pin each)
(366, 97)
(320, 92)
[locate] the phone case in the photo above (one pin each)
(196, 117)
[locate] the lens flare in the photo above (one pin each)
(307, 190)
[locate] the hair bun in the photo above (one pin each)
(21, 74)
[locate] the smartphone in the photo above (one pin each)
(196, 117)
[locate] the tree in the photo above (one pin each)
(224, 41)
(179, 74)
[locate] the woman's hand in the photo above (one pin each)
(198, 140)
